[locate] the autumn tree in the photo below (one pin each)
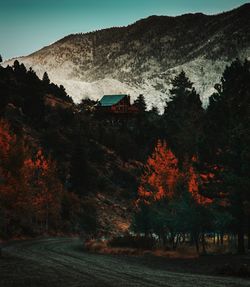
(14, 187)
(47, 190)
(30, 189)
(169, 203)
(161, 174)
(157, 185)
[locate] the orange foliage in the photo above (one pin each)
(48, 189)
(5, 138)
(162, 174)
(39, 162)
(194, 187)
(29, 187)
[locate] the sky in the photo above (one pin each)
(28, 25)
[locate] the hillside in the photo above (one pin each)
(74, 168)
(145, 56)
(48, 141)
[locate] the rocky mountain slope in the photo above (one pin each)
(145, 56)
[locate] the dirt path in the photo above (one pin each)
(62, 262)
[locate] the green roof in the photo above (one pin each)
(110, 100)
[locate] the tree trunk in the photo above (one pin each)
(241, 223)
(221, 238)
(248, 234)
(176, 241)
(164, 239)
(218, 238)
(196, 239)
(203, 241)
(241, 245)
(47, 218)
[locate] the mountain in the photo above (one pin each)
(145, 56)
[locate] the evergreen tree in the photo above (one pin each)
(20, 70)
(46, 79)
(16, 65)
(228, 139)
(140, 104)
(183, 118)
(154, 110)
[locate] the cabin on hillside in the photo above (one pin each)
(116, 104)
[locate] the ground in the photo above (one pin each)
(63, 262)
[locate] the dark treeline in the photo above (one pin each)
(187, 170)
(201, 190)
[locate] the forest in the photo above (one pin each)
(184, 174)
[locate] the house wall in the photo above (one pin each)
(122, 106)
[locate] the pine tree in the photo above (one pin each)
(228, 139)
(154, 110)
(46, 79)
(140, 104)
(183, 119)
(16, 65)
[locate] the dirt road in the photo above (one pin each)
(63, 262)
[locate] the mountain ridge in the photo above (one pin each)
(144, 56)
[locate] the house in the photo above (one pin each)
(116, 104)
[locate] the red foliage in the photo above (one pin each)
(29, 187)
(5, 138)
(162, 175)
(194, 185)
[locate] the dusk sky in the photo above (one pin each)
(28, 25)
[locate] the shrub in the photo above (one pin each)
(129, 241)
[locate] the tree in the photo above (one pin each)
(46, 79)
(142, 220)
(30, 191)
(1, 59)
(161, 174)
(46, 199)
(14, 189)
(183, 117)
(157, 188)
(154, 110)
(140, 104)
(169, 201)
(16, 65)
(228, 121)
